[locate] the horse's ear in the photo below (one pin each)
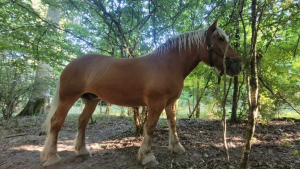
(213, 27)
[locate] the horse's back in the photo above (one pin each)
(109, 78)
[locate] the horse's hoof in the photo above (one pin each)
(83, 152)
(177, 148)
(149, 160)
(151, 164)
(54, 159)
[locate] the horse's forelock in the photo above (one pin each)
(222, 33)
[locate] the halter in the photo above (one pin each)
(211, 48)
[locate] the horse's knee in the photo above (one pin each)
(150, 128)
(56, 123)
(82, 122)
(172, 124)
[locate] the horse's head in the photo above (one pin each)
(216, 42)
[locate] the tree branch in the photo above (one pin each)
(209, 13)
(295, 51)
(198, 100)
(57, 27)
(278, 94)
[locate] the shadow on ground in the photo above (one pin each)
(113, 144)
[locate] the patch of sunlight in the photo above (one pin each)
(28, 148)
(115, 144)
(68, 145)
(237, 138)
(61, 146)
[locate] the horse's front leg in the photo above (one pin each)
(174, 144)
(145, 156)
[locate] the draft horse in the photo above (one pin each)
(154, 80)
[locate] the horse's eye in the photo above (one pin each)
(221, 39)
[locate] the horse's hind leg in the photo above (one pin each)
(174, 144)
(90, 106)
(49, 153)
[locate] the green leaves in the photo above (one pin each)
(134, 28)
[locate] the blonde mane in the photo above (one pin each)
(186, 40)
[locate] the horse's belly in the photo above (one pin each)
(125, 101)
(129, 98)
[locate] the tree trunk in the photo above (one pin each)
(107, 109)
(235, 99)
(138, 123)
(41, 86)
(130, 111)
(100, 107)
(144, 115)
(252, 94)
(8, 109)
(140, 120)
(198, 98)
(190, 111)
(122, 111)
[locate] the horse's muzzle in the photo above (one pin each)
(233, 68)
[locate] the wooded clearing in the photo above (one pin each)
(113, 144)
(40, 37)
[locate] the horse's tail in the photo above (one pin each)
(47, 124)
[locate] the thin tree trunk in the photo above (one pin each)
(138, 123)
(122, 111)
(107, 111)
(100, 107)
(129, 112)
(41, 86)
(8, 108)
(212, 108)
(190, 112)
(144, 115)
(224, 108)
(253, 92)
(235, 99)
(198, 98)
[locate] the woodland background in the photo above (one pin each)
(40, 37)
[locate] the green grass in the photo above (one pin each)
(290, 115)
(183, 112)
(116, 111)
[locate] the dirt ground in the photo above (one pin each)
(113, 144)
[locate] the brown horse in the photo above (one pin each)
(154, 80)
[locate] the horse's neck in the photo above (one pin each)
(180, 62)
(190, 59)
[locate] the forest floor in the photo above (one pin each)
(113, 144)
